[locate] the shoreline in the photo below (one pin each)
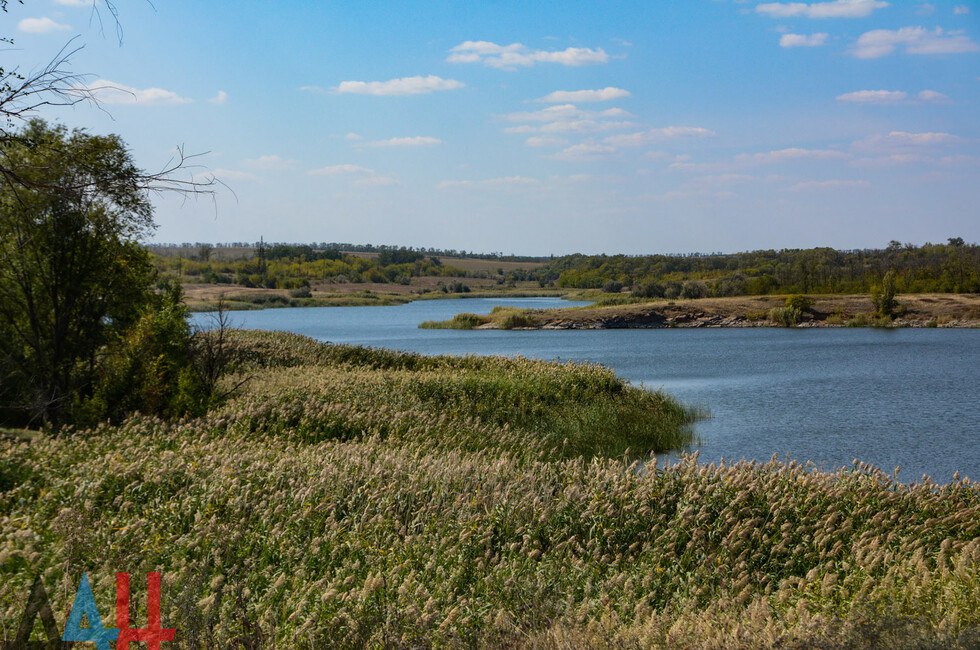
(961, 311)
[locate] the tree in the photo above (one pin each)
(24, 94)
(74, 276)
(883, 296)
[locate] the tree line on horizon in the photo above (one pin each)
(952, 267)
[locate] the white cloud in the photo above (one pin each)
(340, 170)
(568, 118)
(220, 98)
(905, 141)
(402, 86)
(658, 135)
(585, 151)
(503, 181)
(928, 138)
(413, 141)
(891, 97)
(353, 137)
(268, 162)
(110, 92)
(539, 141)
(516, 55)
(913, 40)
(832, 184)
(933, 97)
(233, 175)
(873, 97)
(75, 3)
(376, 181)
(41, 26)
(961, 10)
(803, 40)
(834, 9)
(892, 160)
(581, 96)
(792, 153)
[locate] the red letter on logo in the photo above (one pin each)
(152, 634)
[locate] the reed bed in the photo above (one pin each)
(296, 536)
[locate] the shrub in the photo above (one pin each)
(803, 304)
(883, 296)
(516, 319)
(464, 321)
(649, 290)
(613, 286)
(301, 292)
(785, 316)
(693, 290)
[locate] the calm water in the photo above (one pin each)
(894, 398)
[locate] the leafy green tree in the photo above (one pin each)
(883, 296)
(74, 276)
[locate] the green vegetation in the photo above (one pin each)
(505, 318)
(463, 321)
(281, 266)
(790, 314)
(883, 297)
(953, 267)
(86, 330)
(353, 497)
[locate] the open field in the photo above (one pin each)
(350, 497)
(468, 263)
(205, 297)
(916, 310)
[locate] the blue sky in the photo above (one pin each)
(545, 127)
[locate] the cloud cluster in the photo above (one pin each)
(362, 176)
(912, 40)
(652, 136)
(832, 184)
(886, 97)
(268, 162)
(111, 92)
(584, 96)
(43, 25)
(792, 153)
(803, 40)
(568, 118)
(417, 85)
(503, 181)
(516, 55)
(834, 9)
(410, 141)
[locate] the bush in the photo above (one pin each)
(516, 319)
(804, 304)
(649, 290)
(301, 292)
(464, 321)
(785, 316)
(613, 286)
(693, 290)
(883, 296)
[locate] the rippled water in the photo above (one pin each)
(895, 398)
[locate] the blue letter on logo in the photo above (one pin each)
(84, 605)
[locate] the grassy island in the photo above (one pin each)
(354, 497)
(629, 312)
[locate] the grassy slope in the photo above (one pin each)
(353, 497)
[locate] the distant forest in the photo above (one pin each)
(953, 267)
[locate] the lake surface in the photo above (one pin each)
(894, 398)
